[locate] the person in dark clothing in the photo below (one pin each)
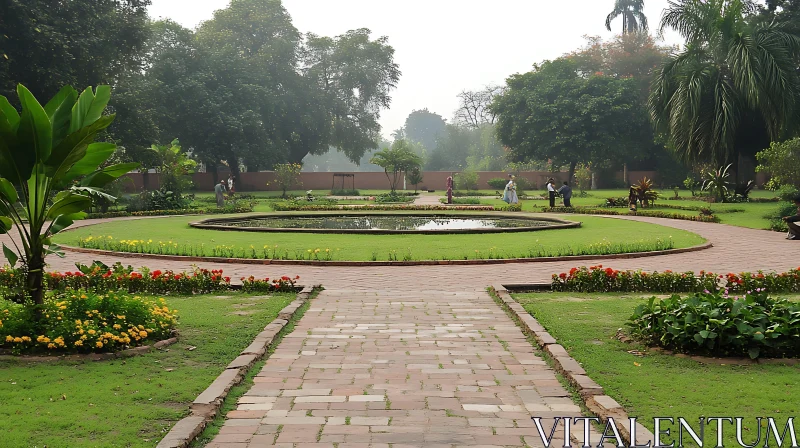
(791, 221)
(551, 191)
(566, 192)
(633, 197)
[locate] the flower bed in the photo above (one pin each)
(100, 278)
(600, 279)
(188, 211)
(283, 207)
(252, 284)
(648, 213)
(720, 324)
(86, 322)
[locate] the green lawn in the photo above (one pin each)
(752, 216)
(131, 402)
(661, 385)
(592, 236)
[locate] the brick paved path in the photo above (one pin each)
(735, 249)
(368, 369)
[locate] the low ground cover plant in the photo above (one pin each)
(84, 322)
(719, 323)
(649, 213)
(605, 279)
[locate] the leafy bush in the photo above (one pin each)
(716, 182)
(467, 180)
(255, 285)
(621, 201)
(718, 324)
(462, 201)
(160, 199)
(498, 183)
(600, 279)
(776, 221)
(80, 321)
(650, 213)
(287, 176)
(287, 207)
(782, 161)
(392, 197)
(787, 193)
(345, 193)
(644, 192)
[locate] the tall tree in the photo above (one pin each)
(734, 87)
(632, 12)
(354, 76)
(424, 127)
(555, 113)
(473, 109)
(45, 44)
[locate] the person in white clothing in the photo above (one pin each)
(551, 191)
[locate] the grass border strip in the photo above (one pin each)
(592, 394)
(252, 261)
(206, 406)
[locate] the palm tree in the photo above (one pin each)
(632, 12)
(732, 73)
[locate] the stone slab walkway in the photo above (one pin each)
(410, 369)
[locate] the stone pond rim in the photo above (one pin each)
(224, 224)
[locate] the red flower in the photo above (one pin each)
(563, 275)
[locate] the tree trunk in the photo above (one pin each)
(35, 279)
(572, 166)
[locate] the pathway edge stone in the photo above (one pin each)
(206, 406)
(591, 393)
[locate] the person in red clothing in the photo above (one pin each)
(791, 221)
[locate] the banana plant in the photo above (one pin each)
(51, 170)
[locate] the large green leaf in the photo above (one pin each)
(89, 107)
(6, 224)
(37, 197)
(11, 256)
(8, 113)
(73, 149)
(94, 156)
(35, 130)
(64, 221)
(103, 177)
(8, 191)
(59, 109)
(67, 203)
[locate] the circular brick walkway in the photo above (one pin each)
(736, 249)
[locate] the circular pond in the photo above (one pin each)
(384, 223)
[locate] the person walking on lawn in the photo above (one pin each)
(566, 192)
(219, 190)
(791, 221)
(551, 191)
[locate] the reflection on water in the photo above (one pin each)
(386, 223)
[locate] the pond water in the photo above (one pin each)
(395, 222)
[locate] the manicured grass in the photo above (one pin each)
(752, 216)
(131, 402)
(659, 385)
(595, 231)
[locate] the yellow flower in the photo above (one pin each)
(18, 340)
(92, 332)
(78, 343)
(26, 339)
(143, 334)
(117, 326)
(99, 344)
(9, 338)
(121, 317)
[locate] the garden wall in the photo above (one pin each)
(433, 180)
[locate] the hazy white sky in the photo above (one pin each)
(445, 46)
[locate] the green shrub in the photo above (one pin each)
(345, 193)
(467, 180)
(719, 324)
(776, 221)
(787, 193)
(462, 201)
(79, 321)
(498, 183)
(390, 198)
(600, 279)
